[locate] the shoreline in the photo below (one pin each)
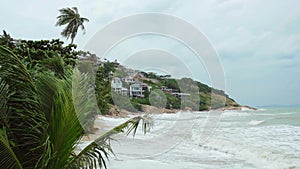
(100, 127)
(147, 109)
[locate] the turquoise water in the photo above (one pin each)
(280, 116)
(264, 139)
(270, 116)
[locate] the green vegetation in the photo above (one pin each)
(123, 102)
(40, 112)
(103, 87)
(170, 83)
(46, 105)
(172, 102)
(71, 18)
(45, 54)
(200, 97)
(6, 40)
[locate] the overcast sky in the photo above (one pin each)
(258, 42)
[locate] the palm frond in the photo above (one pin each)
(63, 20)
(75, 9)
(66, 11)
(70, 30)
(56, 64)
(64, 128)
(97, 152)
(81, 21)
(8, 158)
(4, 95)
(27, 126)
(84, 99)
(67, 15)
(71, 18)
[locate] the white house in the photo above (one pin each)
(116, 83)
(117, 86)
(136, 90)
(124, 91)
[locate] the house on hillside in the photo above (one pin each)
(166, 89)
(124, 91)
(117, 86)
(129, 80)
(181, 96)
(87, 56)
(145, 87)
(130, 72)
(116, 63)
(165, 76)
(138, 90)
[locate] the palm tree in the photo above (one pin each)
(39, 126)
(71, 18)
(6, 39)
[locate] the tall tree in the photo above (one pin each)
(72, 19)
(6, 40)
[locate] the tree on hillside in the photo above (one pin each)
(103, 86)
(6, 39)
(72, 19)
(43, 52)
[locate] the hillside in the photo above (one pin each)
(155, 90)
(134, 90)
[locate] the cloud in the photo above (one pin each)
(257, 41)
(252, 38)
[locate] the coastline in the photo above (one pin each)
(147, 109)
(237, 108)
(101, 127)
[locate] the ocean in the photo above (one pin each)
(263, 139)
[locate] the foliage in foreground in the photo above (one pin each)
(39, 126)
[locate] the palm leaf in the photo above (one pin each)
(71, 18)
(97, 152)
(27, 126)
(84, 99)
(4, 95)
(8, 158)
(64, 128)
